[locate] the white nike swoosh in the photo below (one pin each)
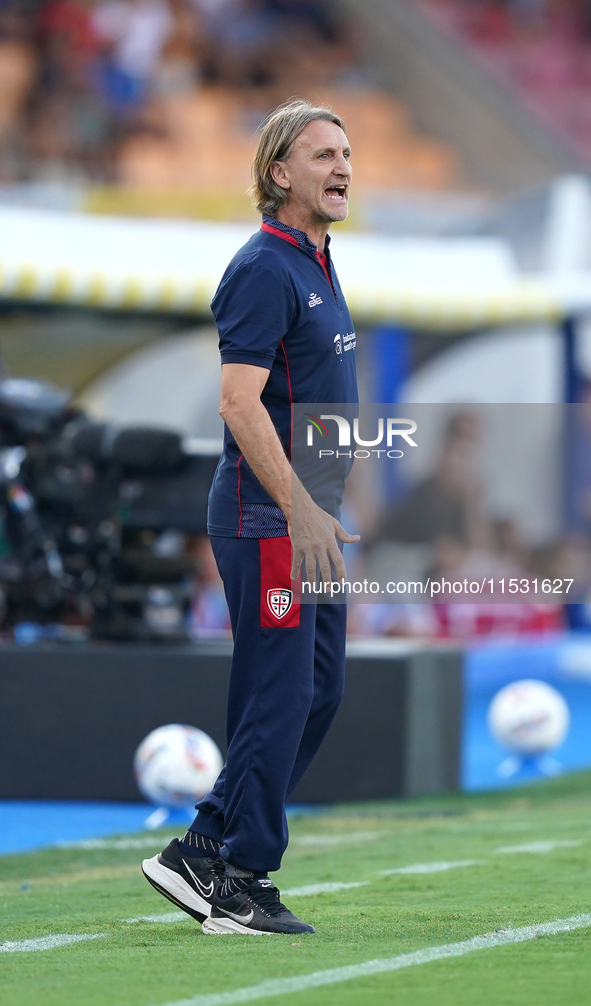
(244, 919)
(206, 891)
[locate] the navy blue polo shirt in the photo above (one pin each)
(279, 306)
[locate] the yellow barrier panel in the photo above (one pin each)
(26, 284)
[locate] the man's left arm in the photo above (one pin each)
(313, 532)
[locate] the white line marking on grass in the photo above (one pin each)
(47, 942)
(300, 983)
(541, 846)
(167, 917)
(351, 838)
(418, 868)
(327, 888)
(432, 867)
(118, 843)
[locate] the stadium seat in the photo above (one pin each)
(207, 142)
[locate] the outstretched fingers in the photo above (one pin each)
(338, 563)
(297, 558)
(343, 535)
(324, 566)
(315, 546)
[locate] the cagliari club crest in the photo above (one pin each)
(279, 601)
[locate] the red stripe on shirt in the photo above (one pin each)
(294, 241)
(324, 263)
(280, 234)
(239, 498)
(290, 396)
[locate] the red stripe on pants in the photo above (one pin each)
(280, 607)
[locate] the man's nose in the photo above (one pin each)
(343, 166)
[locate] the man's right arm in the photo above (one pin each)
(314, 533)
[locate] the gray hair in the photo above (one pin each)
(278, 136)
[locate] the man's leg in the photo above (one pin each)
(283, 695)
(270, 697)
(272, 690)
(286, 683)
(329, 684)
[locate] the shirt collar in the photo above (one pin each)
(300, 236)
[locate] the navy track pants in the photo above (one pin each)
(286, 684)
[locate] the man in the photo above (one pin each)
(278, 310)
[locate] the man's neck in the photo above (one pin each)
(316, 232)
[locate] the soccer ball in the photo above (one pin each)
(176, 765)
(529, 717)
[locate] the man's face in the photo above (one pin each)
(317, 173)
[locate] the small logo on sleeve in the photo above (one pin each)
(314, 300)
(279, 600)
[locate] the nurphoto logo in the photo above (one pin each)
(389, 428)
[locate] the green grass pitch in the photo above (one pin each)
(153, 963)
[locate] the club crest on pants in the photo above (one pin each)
(279, 600)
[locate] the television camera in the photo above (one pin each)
(96, 521)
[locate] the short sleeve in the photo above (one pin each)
(253, 309)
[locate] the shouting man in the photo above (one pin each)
(279, 311)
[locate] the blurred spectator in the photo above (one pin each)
(449, 502)
(133, 33)
(541, 47)
(399, 620)
(568, 558)
(442, 528)
(471, 621)
(508, 544)
(18, 67)
(78, 76)
(179, 67)
(209, 617)
(242, 33)
(67, 123)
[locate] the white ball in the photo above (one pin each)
(176, 765)
(529, 717)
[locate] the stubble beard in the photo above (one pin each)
(325, 216)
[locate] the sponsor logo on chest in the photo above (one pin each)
(343, 344)
(314, 300)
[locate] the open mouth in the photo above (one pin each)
(336, 192)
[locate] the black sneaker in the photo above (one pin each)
(187, 882)
(257, 911)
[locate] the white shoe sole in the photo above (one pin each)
(173, 887)
(227, 927)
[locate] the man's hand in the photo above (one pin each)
(314, 535)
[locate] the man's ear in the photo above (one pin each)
(279, 174)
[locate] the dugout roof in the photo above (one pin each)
(117, 263)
